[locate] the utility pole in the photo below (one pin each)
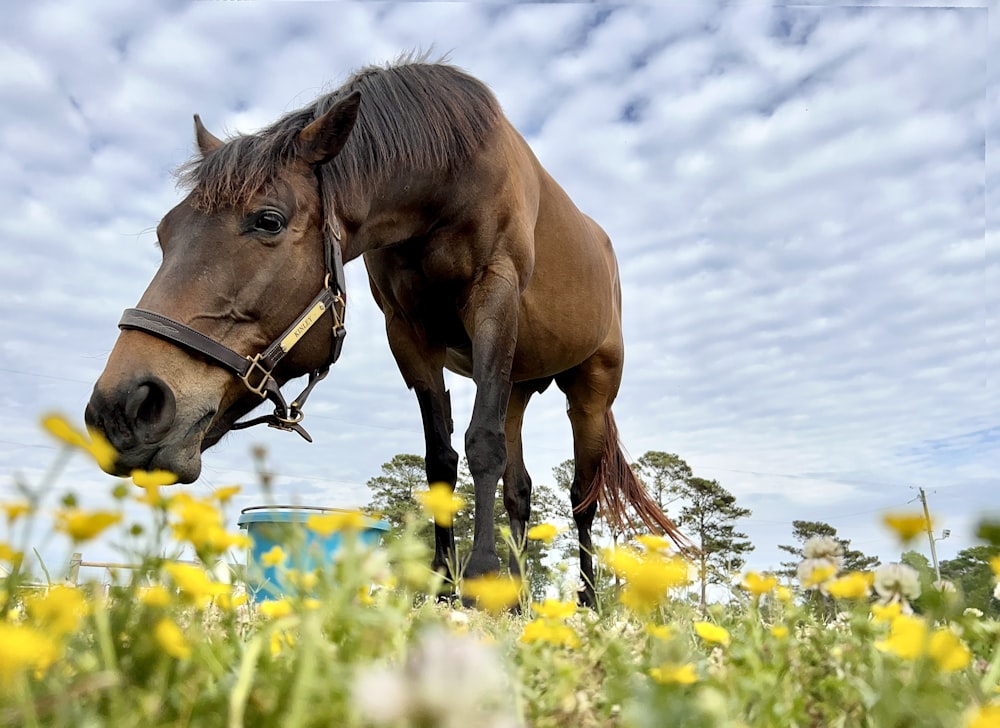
(930, 533)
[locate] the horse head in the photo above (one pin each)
(242, 258)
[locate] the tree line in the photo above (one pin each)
(706, 511)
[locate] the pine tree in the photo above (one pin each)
(709, 513)
(802, 531)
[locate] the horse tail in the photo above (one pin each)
(621, 497)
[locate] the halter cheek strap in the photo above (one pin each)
(257, 372)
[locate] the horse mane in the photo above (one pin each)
(414, 116)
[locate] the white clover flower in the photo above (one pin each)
(945, 586)
(996, 591)
(973, 612)
(382, 695)
(824, 547)
(449, 681)
(813, 573)
(897, 581)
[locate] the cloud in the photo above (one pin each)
(798, 197)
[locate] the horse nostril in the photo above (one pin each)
(151, 408)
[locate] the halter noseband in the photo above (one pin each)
(257, 372)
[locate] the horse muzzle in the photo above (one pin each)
(141, 420)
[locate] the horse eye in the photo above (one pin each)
(269, 222)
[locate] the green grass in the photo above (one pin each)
(360, 645)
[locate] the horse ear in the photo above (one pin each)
(207, 142)
(323, 139)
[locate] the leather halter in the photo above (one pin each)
(257, 372)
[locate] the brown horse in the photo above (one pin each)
(478, 259)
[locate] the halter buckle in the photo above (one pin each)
(256, 368)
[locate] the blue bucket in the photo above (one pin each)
(285, 526)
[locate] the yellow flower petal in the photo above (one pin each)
(544, 532)
(275, 557)
(671, 674)
(225, 494)
(492, 592)
(660, 631)
(948, 651)
(712, 633)
(907, 525)
(153, 478)
(758, 584)
(15, 510)
(853, 585)
(555, 609)
(275, 609)
(170, 637)
(154, 596)
(83, 525)
(441, 502)
(336, 522)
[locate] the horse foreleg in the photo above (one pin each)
(491, 317)
(422, 367)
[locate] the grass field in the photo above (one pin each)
(358, 644)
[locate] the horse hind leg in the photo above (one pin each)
(516, 481)
(602, 475)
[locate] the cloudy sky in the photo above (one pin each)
(798, 197)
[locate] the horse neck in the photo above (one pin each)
(404, 208)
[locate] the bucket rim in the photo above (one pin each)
(291, 513)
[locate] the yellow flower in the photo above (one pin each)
(92, 442)
(274, 557)
(24, 647)
(671, 674)
(492, 592)
(654, 543)
(154, 596)
(813, 573)
(8, 554)
(441, 502)
(337, 521)
(648, 576)
(907, 637)
(279, 640)
(784, 594)
(995, 566)
(102, 451)
(551, 632)
(153, 478)
(758, 584)
(907, 525)
(194, 583)
(779, 631)
(82, 525)
(987, 716)
(61, 429)
(886, 612)
(225, 494)
(948, 651)
(276, 609)
(15, 510)
(170, 637)
(712, 633)
(305, 581)
(544, 532)
(200, 523)
(229, 601)
(58, 611)
(660, 631)
(555, 609)
(853, 585)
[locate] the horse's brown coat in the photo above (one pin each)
(478, 259)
